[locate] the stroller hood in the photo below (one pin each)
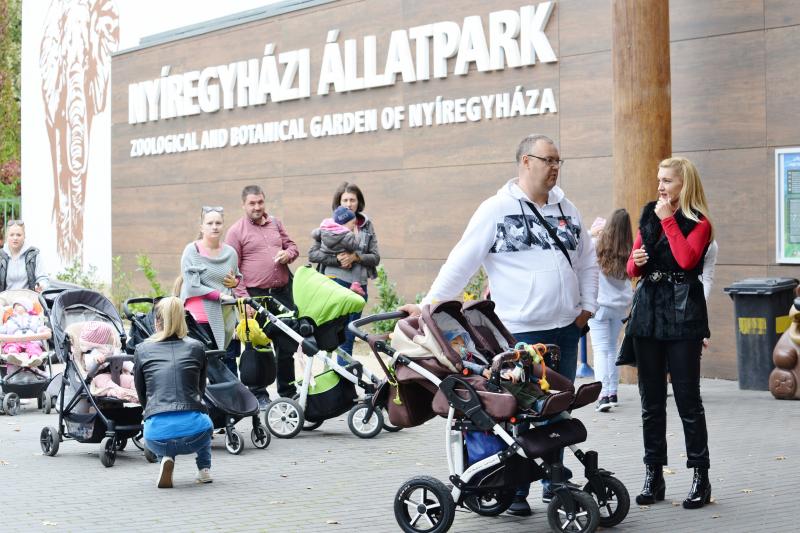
(487, 329)
(80, 305)
(321, 299)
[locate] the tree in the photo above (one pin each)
(10, 87)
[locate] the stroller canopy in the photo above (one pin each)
(80, 305)
(321, 299)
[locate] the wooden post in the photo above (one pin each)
(641, 104)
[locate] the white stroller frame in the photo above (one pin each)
(285, 416)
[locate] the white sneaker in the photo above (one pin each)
(204, 476)
(165, 473)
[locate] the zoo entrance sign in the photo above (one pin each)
(515, 39)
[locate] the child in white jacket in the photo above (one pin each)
(613, 245)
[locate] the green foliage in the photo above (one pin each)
(121, 288)
(75, 273)
(150, 273)
(388, 300)
(10, 47)
(474, 289)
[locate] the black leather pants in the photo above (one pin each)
(682, 359)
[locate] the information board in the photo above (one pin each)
(787, 175)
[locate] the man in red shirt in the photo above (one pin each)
(265, 251)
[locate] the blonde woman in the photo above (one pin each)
(669, 321)
(170, 379)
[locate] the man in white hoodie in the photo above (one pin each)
(543, 291)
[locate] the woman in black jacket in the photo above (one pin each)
(170, 378)
(669, 321)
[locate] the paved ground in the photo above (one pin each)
(329, 480)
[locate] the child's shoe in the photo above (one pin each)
(603, 405)
(204, 475)
(14, 359)
(357, 288)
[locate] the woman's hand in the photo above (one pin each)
(664, 209)
(226, 298)
(346, 259)
(640, 257)
(230, 281)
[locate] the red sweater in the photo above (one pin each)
(688, 250)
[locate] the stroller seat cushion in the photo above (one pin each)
(544, 439)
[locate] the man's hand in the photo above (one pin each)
(582, 319)
(282, 257)
(346, 259)
(411, 309)
(230, 281)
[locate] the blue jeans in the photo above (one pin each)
(349, 338)
(565, 338)
(199, 443)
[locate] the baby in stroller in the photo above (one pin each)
(20, 322)
(97, 341)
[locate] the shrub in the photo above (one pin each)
(388, 300)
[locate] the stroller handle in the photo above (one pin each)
(363, 321)
(139, 300)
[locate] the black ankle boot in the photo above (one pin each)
(654, 487)
(700, 493)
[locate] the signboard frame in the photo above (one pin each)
(787, 165)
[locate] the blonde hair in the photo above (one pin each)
(170, 321)
(692, 198)
(177, 286)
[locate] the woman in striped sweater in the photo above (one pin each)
(210, 270)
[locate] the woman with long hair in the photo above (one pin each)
(613, 246)
(170, 379)
(669, 321)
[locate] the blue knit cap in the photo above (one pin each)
(342, 215)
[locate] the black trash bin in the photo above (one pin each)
(762, 314)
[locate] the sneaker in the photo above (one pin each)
(165, 473)
(263, 403)
(612, 399)
(519, 507)
(204, 475)
(603, 405)
(547, 493)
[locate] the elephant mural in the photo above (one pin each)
(75, 65)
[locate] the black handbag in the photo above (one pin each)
(626, 355)
(256, 365)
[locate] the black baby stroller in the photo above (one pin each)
(24, 379)
(228, 401)
(82, 415)
(489, 450)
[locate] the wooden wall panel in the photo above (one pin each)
(779, 13)
(584, 26)
(689, 19)
(783, 98)
(718, 92)
(586, 125)
(589, 183)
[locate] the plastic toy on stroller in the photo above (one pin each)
(323, 308)
(228, 401)
(490, 450)
(25, 366)
(87, 414)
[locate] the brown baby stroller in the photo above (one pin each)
(489, 449)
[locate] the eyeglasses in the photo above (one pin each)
(10, 223)
(212, 208)
(548, 160)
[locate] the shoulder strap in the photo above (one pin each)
(550, 229)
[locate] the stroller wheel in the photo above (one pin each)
(490, 503)
(311, 426)
(120, 445)
(109, 453)
(137, 441)
(387, 425)
(585, 516)
(284, 418)
(614, 503)
(149, 456)
(49, 439)
(47, 403)
(360, 428)
(424, 505)
(11, 404)
(260, 437)
(234, 442)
